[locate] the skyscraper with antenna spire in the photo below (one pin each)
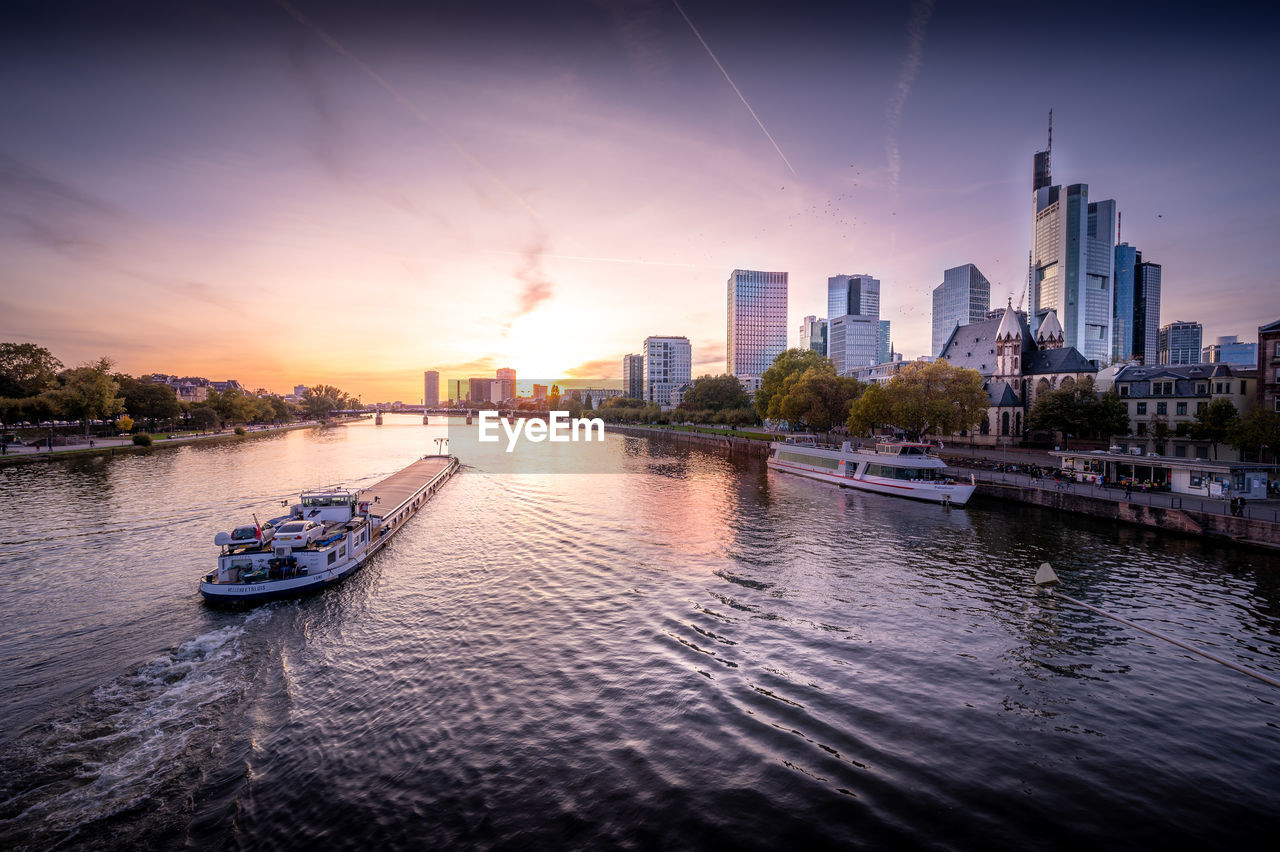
(1072, 260)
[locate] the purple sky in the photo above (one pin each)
(356, 192)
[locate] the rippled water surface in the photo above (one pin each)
(680, 650)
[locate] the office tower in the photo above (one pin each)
(1180, 342)
(1122, 334)
(757, 321)
(963, 297)
(853, 330)
(430, 388)
(1146, 311)
(852, 342)
(858, 295)
(667, 365)
(485, 390)
(884, 345)
(633, 376)
(1229, 350)
(1072, 259)
(813, 335)
(507, 379)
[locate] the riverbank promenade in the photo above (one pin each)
(88, 446)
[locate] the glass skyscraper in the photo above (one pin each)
(1072, 259)
(633, 376)
(884, 343)
(813, 335)
(853, 294)
(1137, 309)
(963, 297)
(757, 321)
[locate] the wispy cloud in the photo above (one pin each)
(407, 104)
(921, 11)
(734, 86)
(537, 287)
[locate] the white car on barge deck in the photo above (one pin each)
(356, 524)
(897, 468)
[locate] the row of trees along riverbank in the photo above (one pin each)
(802, 389)
(36, 388)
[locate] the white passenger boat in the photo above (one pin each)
(898, 468)
(328, 535)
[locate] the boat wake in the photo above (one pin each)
(124, 750)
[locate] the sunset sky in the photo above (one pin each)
(355, 192)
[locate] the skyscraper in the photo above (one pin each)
(1180, 343)
(853, 294)
(1072, 258)
(1122, 339)
(507, 383)
(963, 297)
(757, 321)
(1137, 307)
(667, 365)
(884, 343)
(431, 388)
(853, 332)
(813, 335)
(633, 376)
(1146, 311)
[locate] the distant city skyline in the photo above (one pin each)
(464, 188)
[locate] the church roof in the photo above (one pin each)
(1065, 360)
(1049, 326)
(974, 346)
(1009, 325)
(1000, 394)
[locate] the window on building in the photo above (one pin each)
(1202, 452)
(1179, 451)
(1201, 406)
(1124, 390)
(1244, 387)
(1197, 479)
(1182, 408)
(1142, 408)
(1142, 428)
(1162, 408)
(1202, 387)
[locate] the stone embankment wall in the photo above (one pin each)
(1245, 530)
(724, 442)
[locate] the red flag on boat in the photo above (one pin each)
(257, 528)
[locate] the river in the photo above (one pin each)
(677, 650)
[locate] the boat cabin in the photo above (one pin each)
(802, 440)
(331, 506)
(896, 448)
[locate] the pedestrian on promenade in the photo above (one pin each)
(1128, 490)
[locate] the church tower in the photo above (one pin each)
(1009, 348)
(1050, 334)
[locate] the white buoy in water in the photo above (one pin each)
(1045, 575)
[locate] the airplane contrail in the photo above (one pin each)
(921, 11)
(764, 129)
(404, 102)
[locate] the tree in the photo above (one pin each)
(715, 393)
(870, 411)
(148, 400)
(1218, 422)
(791, 364)
(817, 398)
(322, 400)
(1258, 433)
(935, 398)
(232, 405)
(89, 393)
(205, 419)
(26, 370)
(1078, 410)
